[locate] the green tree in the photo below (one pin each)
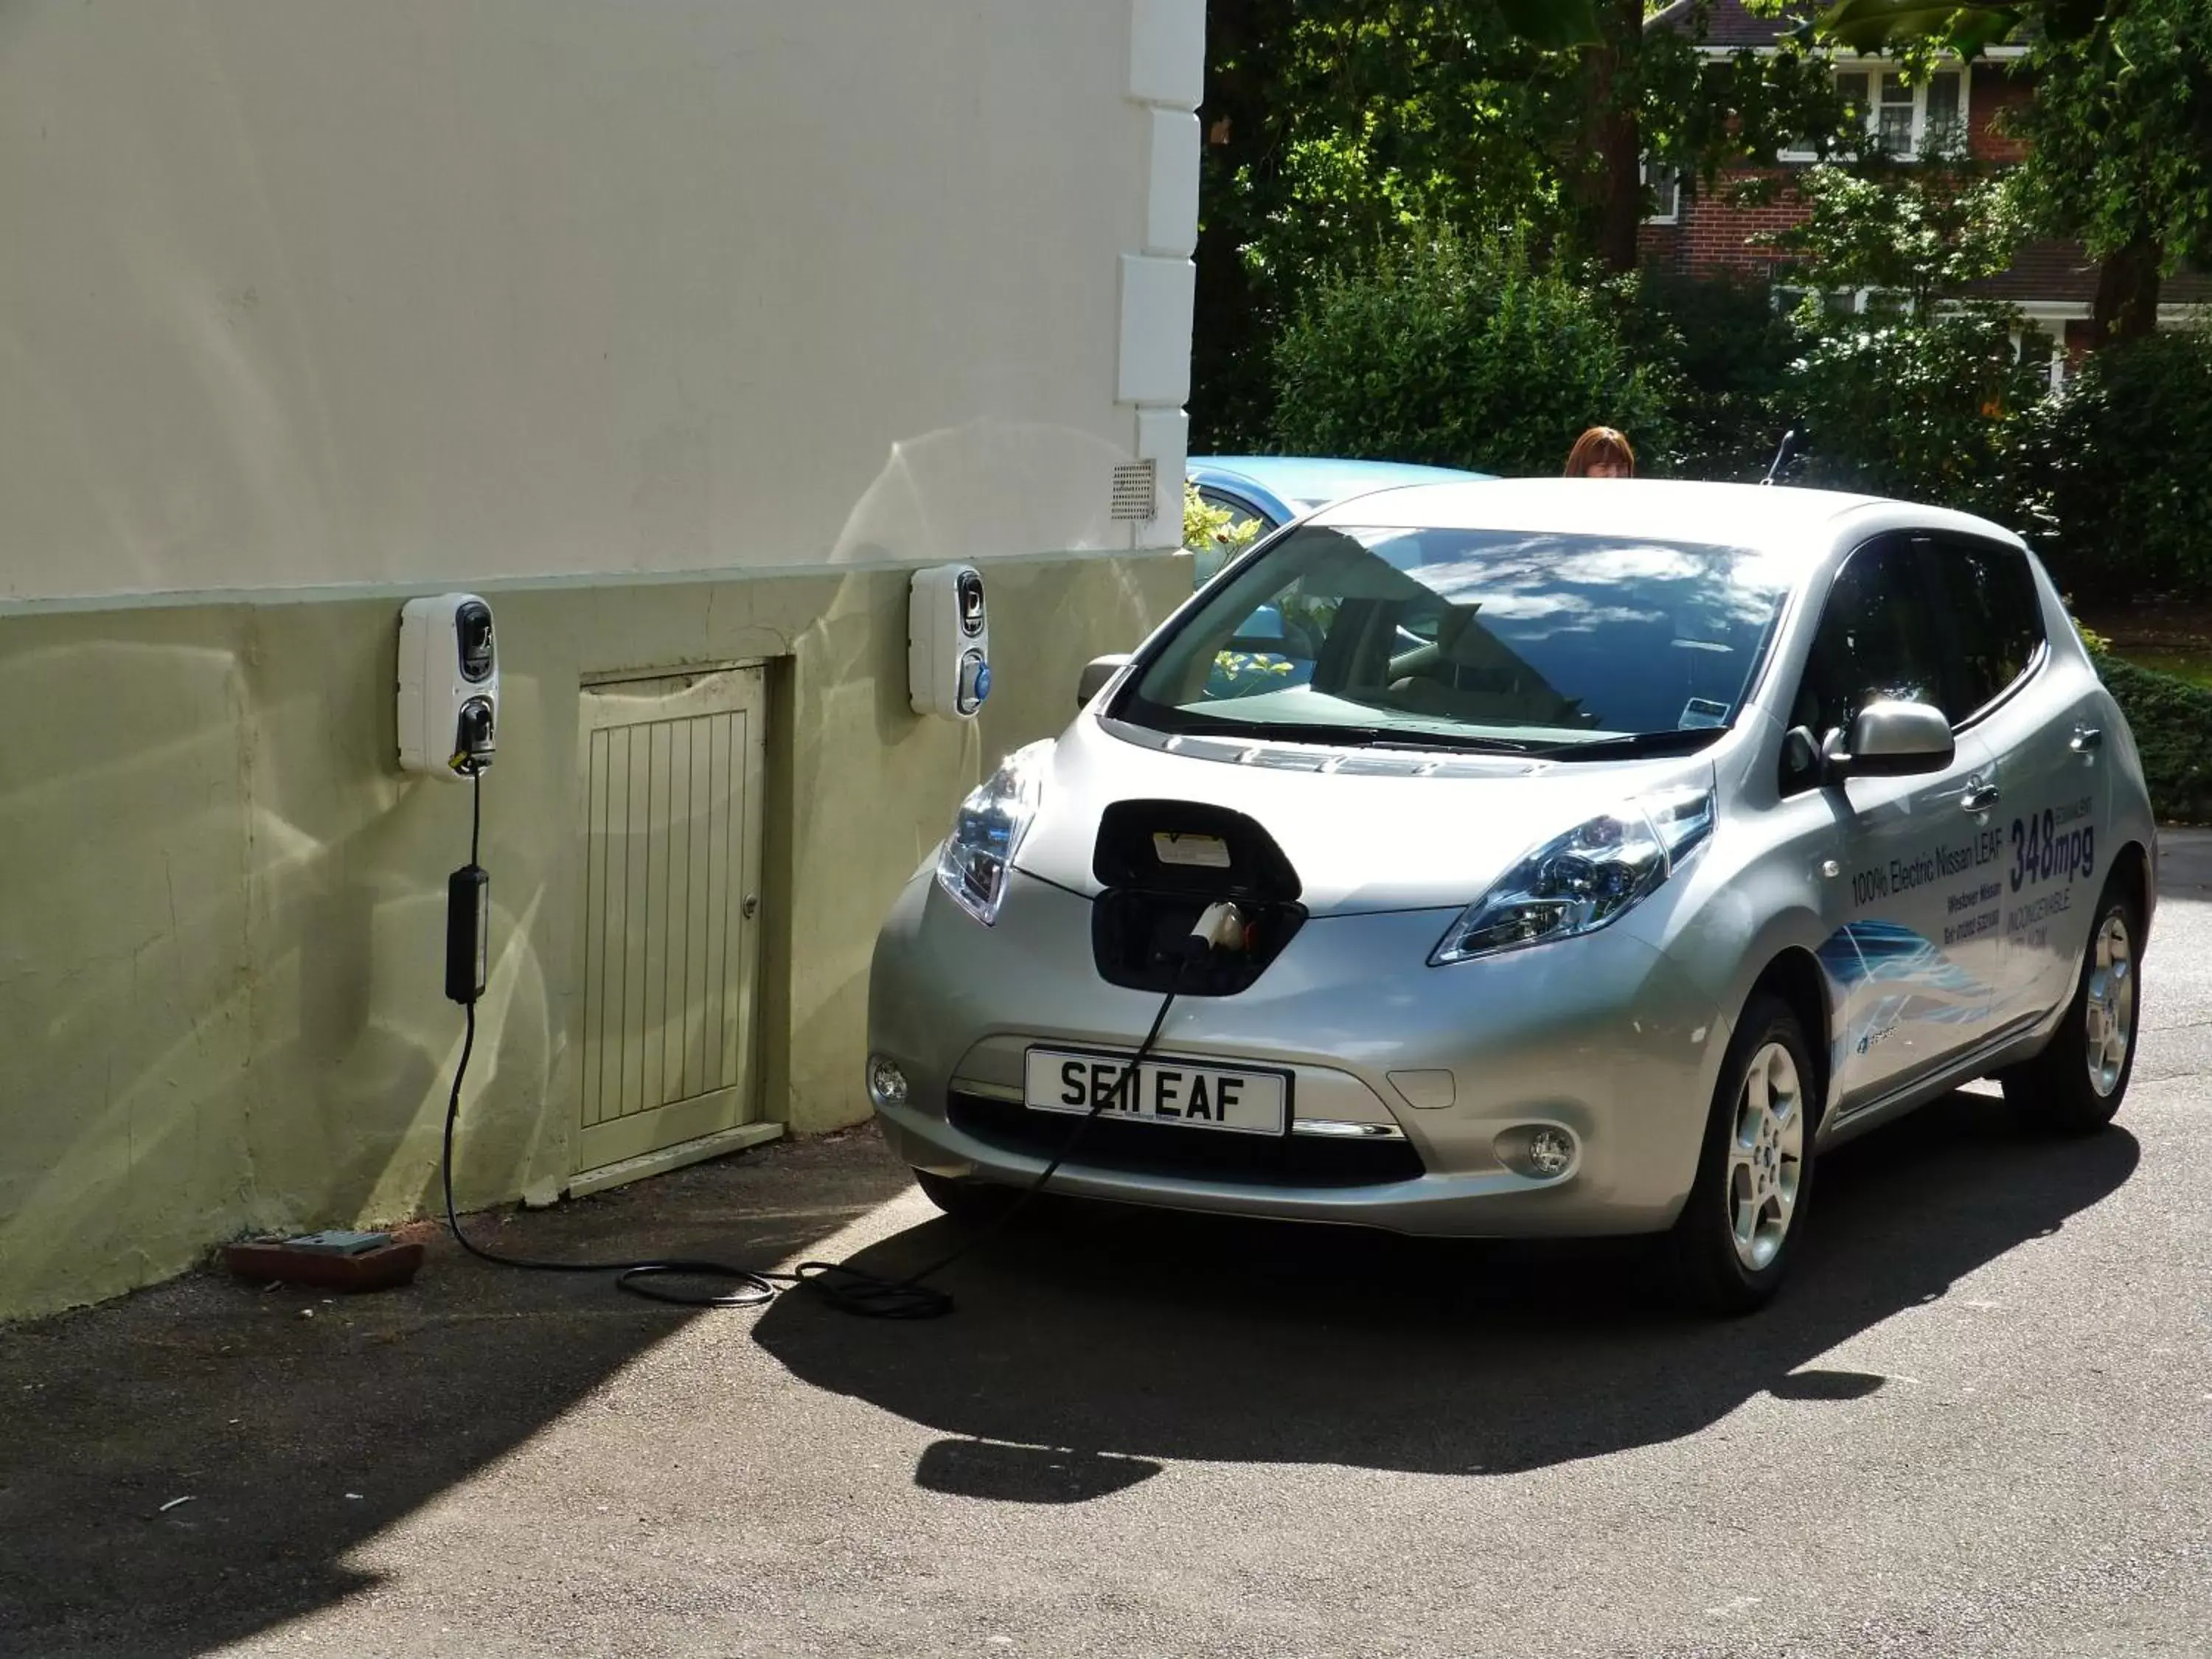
(2119, 130)
(1921, 409)
(1331, 125)
(2116, 494)
(1442, 350)
(1334, 127)
(2120, 152)
(1721, 352)
(1921, 395)
(1653, 95)
(1874, 25)
(1919, 237)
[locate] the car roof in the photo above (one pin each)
(1303, 483)
(1778, 521)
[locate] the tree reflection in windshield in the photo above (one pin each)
(1546, 636)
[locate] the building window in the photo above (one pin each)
(2034, 349)
(1665, 184)
(1896, 115)
(1876, 305)
(1906, 121)
(1942, 113)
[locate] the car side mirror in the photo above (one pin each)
(1096, 674)
(1890, 739)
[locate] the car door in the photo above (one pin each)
(1904, 1001)
(2039, 731)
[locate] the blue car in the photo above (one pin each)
(1271, 490)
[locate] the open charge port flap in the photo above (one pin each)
(1162, 863)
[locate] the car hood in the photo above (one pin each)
(1405, 832)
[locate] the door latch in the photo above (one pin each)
(1980, 798)
(2088, 740)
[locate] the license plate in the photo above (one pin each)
(1172, 1092)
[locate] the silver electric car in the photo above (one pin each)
(1537, 858)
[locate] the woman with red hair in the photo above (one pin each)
(1601, 453)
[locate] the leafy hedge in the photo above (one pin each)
(2117, 479)
(1459, 352)
(2172, 720)
(1722, 353)
(1921, 409)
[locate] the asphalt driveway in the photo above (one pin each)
(1980, 1421)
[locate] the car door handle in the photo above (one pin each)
(1979, 797)
(2087, 739)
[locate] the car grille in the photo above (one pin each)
(1198, 1154)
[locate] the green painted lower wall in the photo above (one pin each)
(223, 913)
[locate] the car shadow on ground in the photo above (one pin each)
(1093, 1341)
(1091, 1344)
(193, 1465)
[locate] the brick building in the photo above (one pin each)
(2052, 282)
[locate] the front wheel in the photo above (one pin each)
(2076, 1084)
(1732, 1243)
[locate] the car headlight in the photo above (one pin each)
(1579, 882)
(973, 864)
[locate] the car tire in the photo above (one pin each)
(970, 1203)
(2074, 1086)
(1734, 1240)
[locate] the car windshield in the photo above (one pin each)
(1469, 639)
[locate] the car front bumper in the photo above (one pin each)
(1405, 1076)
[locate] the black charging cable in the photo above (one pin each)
(843, 1286)
(855, 1291)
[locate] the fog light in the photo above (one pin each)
(1542, 1152)
(1550, 1151)
(886, 1083)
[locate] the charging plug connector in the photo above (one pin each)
(1220, 926)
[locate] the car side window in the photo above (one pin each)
(1241, 511)
(1208, 553)
(1877, 640)
(1986, 594)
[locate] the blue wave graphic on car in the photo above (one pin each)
(1886, 975)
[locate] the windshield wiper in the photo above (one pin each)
(1636, 745)
(1360, 737)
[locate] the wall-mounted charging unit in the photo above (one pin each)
(448, 715)
(948, 642)
(448, 686)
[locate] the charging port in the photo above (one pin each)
(1198, 899)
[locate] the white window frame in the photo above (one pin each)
(1789, 296)
(2050, 317)
(1644, 174)
(2058, 369)
(1874, 69)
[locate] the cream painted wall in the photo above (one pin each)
(300, 292)
(221, 932)
(305, 305)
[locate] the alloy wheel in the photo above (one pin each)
(2109, 1007)
(1766, 1157)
